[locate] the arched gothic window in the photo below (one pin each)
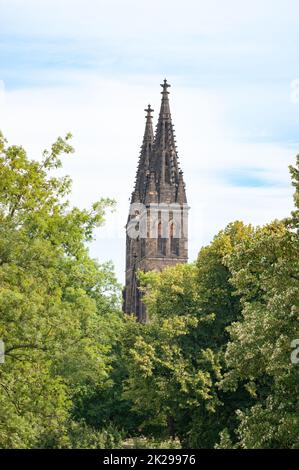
(174, 242)
(161, 241)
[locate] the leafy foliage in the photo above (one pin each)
(266, 276)
(213, 365)
(211, 368)
(58, 307)
(175, 361)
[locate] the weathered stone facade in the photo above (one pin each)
(158, 219)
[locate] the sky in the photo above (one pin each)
(91, 67)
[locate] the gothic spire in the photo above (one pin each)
(148, 133)
(144, 158)
(165, 159)
(165, 110)
(164, 138)
(160, 187)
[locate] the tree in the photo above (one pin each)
(266, 277)
(59, 309)
(213, 366)
(175, 361)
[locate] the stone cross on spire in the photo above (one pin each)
(149, 111)
(165, 85)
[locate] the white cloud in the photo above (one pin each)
(106, 118)
(133, 17)
(2, 93)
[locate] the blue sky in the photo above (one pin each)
(90, 67)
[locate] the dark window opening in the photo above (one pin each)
(174, 242)
(161, 241)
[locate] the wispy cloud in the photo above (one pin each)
(91, 67)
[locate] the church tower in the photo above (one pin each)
(156, 230)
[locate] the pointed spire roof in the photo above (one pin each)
(165, 110)
(144, 158)
(148, 132)
(158, 177)
(165, 157)
(164, 138)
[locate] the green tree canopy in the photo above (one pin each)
(59, 309)
(266, 277)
